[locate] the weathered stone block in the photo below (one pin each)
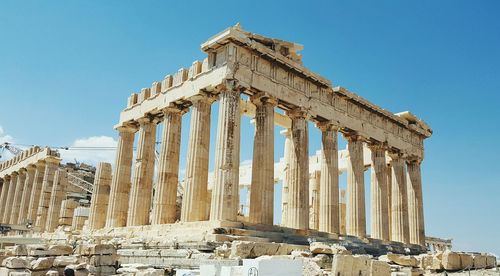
(100, 260)
(342, 265)
(60, 249)
(15, 262)
(451, 260)
(101, 270)
(491, 261)
(320, 248)
(95, 249)
(399, 259)
(479, 261)
(52, 273)
(41, 263)
(466, 261)
(244, 249)
(273, 266)
(63, 261)
(151, 272)
(379, 268)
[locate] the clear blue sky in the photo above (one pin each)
(67, 67)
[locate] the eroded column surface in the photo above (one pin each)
(10, 197)
(195, 198)
(142, 182)
(314, 191)
(57, 195)
(16, 203)
(3, 196)
(298, 185)
(100, 196)
(399, 206)
(36, 191)
(415, 203)
(165, 198)
(329, 182)
(116, 216)
(286, 177)
(379, 194)
(388, 170)
(25, 198)
(356, 217)
(262, 193)
(225, 192)
(51, 166)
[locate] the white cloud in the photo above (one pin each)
(4, 138)
(91, 150)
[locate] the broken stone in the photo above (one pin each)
(491, 261)
(63, 261)
(479, 261)
(95, 249)
(320, 248)
(379, 268)
(451, 260)
(101, 270)
(323, 260)
(399, 259)
(41, 263)
(466, 261)
(15, 262)
(297, 253)
(351, 265)
(60, 249)
(52, 273)
(311, 268)
(151, 272)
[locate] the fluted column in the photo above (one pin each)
(25, 198)
(329, 182)
(356, 217)
(57, 195)
(415, 203)
(298, 190)
(262, 193)
(399, 206)
(16, 203)
(225, 192)
(51, 166)
(36, 191)
(286, 177)
(4, 196)
(379, 194)
(165, 198)
(116, 216)
(388, 170)
(100, 196)
(142, 182)
(10, 198)
(195, 198)
(314, 194)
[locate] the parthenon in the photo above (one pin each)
(142, 203)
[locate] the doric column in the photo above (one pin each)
(286, 177)
(388, 170)
(379, 194)
(195, 198)
(298, 190)
(116, 216)
(100, 196)
(399, 206)
(57, 195)
(36, 191)
(342, 212)
(25, 198)
(415, 203)
(3, 196)
(356, 217)
(329, 183)
(48, 181)
(142, 182)
(10, 198)
(225, 192)
(314, 194)
(262, 193)
(165, 198)
(18, 194)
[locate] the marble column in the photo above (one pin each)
(415, 203)
(356, 217)
(16, 203)
(3, 196)
(195, 198)
(116, 216)
(342, 212)
(51, 166)
(286, 177)
(25, 198)
(262, 193)
(298, 190)
(399, 206)
(10, 197)
(225, 192)
(100, 196)
(314, 194)
(165, 198)
(36, 191)
(329, 182)
(142, 182)
(379, 194)
(57, 195)
(389, 194)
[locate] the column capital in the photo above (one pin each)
(6, 177)
(413, 160)
(174, 109)
(148, 119)
(203, 97)
(263, 98)
(52, 160)
(353, 137)
(14, 174)
(129, 128)
(327, 126)
(375, 145)
(297, 113)
(229, 85)
(31, 168)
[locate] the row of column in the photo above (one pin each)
(131, 198)
(26, 194)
